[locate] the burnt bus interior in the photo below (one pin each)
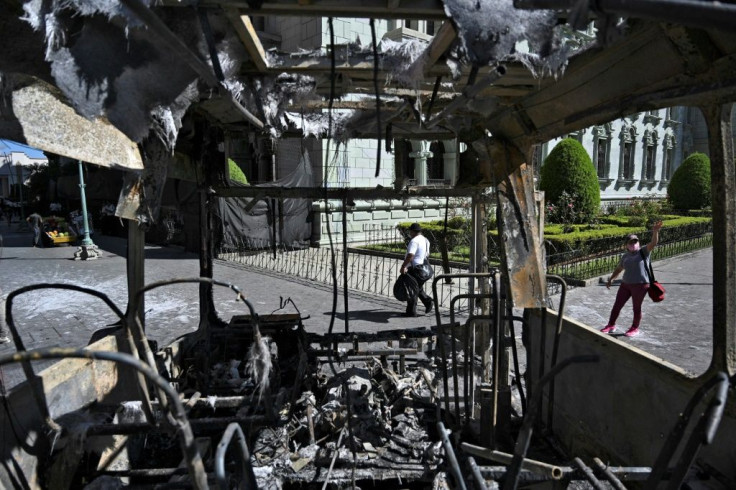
(156, 88)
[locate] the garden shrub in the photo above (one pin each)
(690, 184)
(236, 174)
(643, 207)
(581, 241)
(434, 231)
(611, 238)
(569, 169)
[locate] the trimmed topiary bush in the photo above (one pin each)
(690, 184)
(569, 169)
(236, 175)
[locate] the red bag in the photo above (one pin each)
(656, 290)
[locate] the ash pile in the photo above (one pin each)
(363, 423)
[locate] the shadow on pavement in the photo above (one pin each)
(375, 316)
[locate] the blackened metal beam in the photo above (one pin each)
(376, 9)
(159, 29)
(248, 36)
(723, 190)
(370, 193)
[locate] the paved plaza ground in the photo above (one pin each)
(677, 330)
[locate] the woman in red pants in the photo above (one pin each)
(635, 282)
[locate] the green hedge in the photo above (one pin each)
(569, 178)
(690, 184)
(584, 240)
(236, 174)
(610, 238)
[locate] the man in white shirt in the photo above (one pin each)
(416, 252)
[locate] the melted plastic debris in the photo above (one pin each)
(114, 67)
(390, 414)
(490, 33)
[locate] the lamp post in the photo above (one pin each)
(87, 250)
(20, 193)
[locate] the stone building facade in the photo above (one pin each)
(635, 156)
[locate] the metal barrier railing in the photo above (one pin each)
(585, 267)
(368, 273)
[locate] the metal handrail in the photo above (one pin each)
(451, 458)
(248, 478)
(31, 377)
(440, 328)
(188, 444)
(525, 434)
(702, 434)
(556, 344)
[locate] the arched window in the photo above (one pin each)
(649, 157)
(402, 149)
(436, 163)
(628, 153)
(602, 150)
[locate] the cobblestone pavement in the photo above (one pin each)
(677, 330)
(60, 318)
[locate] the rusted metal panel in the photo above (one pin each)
(140, 198)
(518, 224)
(35, 113)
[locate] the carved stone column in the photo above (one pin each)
(450, 161)
(420, 161)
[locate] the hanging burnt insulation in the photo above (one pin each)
(143, 86)
(494, 32)
(378, 98)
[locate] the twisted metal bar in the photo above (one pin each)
(189, 447)
(36, 389)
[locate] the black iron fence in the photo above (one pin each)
(374, 267)
(573, 266)
(367, 271)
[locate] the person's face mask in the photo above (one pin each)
(633, 247)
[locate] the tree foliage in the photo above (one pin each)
(568, 173)
(236, 174)
(689, 187)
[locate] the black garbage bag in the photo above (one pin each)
(405, 287)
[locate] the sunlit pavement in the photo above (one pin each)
(50, 318)
(679, 329)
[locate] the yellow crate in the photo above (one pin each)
(63, 239)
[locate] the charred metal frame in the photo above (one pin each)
(189, 448)
(522, 442)
(495, 320)
(522, 264)
(248, 479)
(702, 434)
